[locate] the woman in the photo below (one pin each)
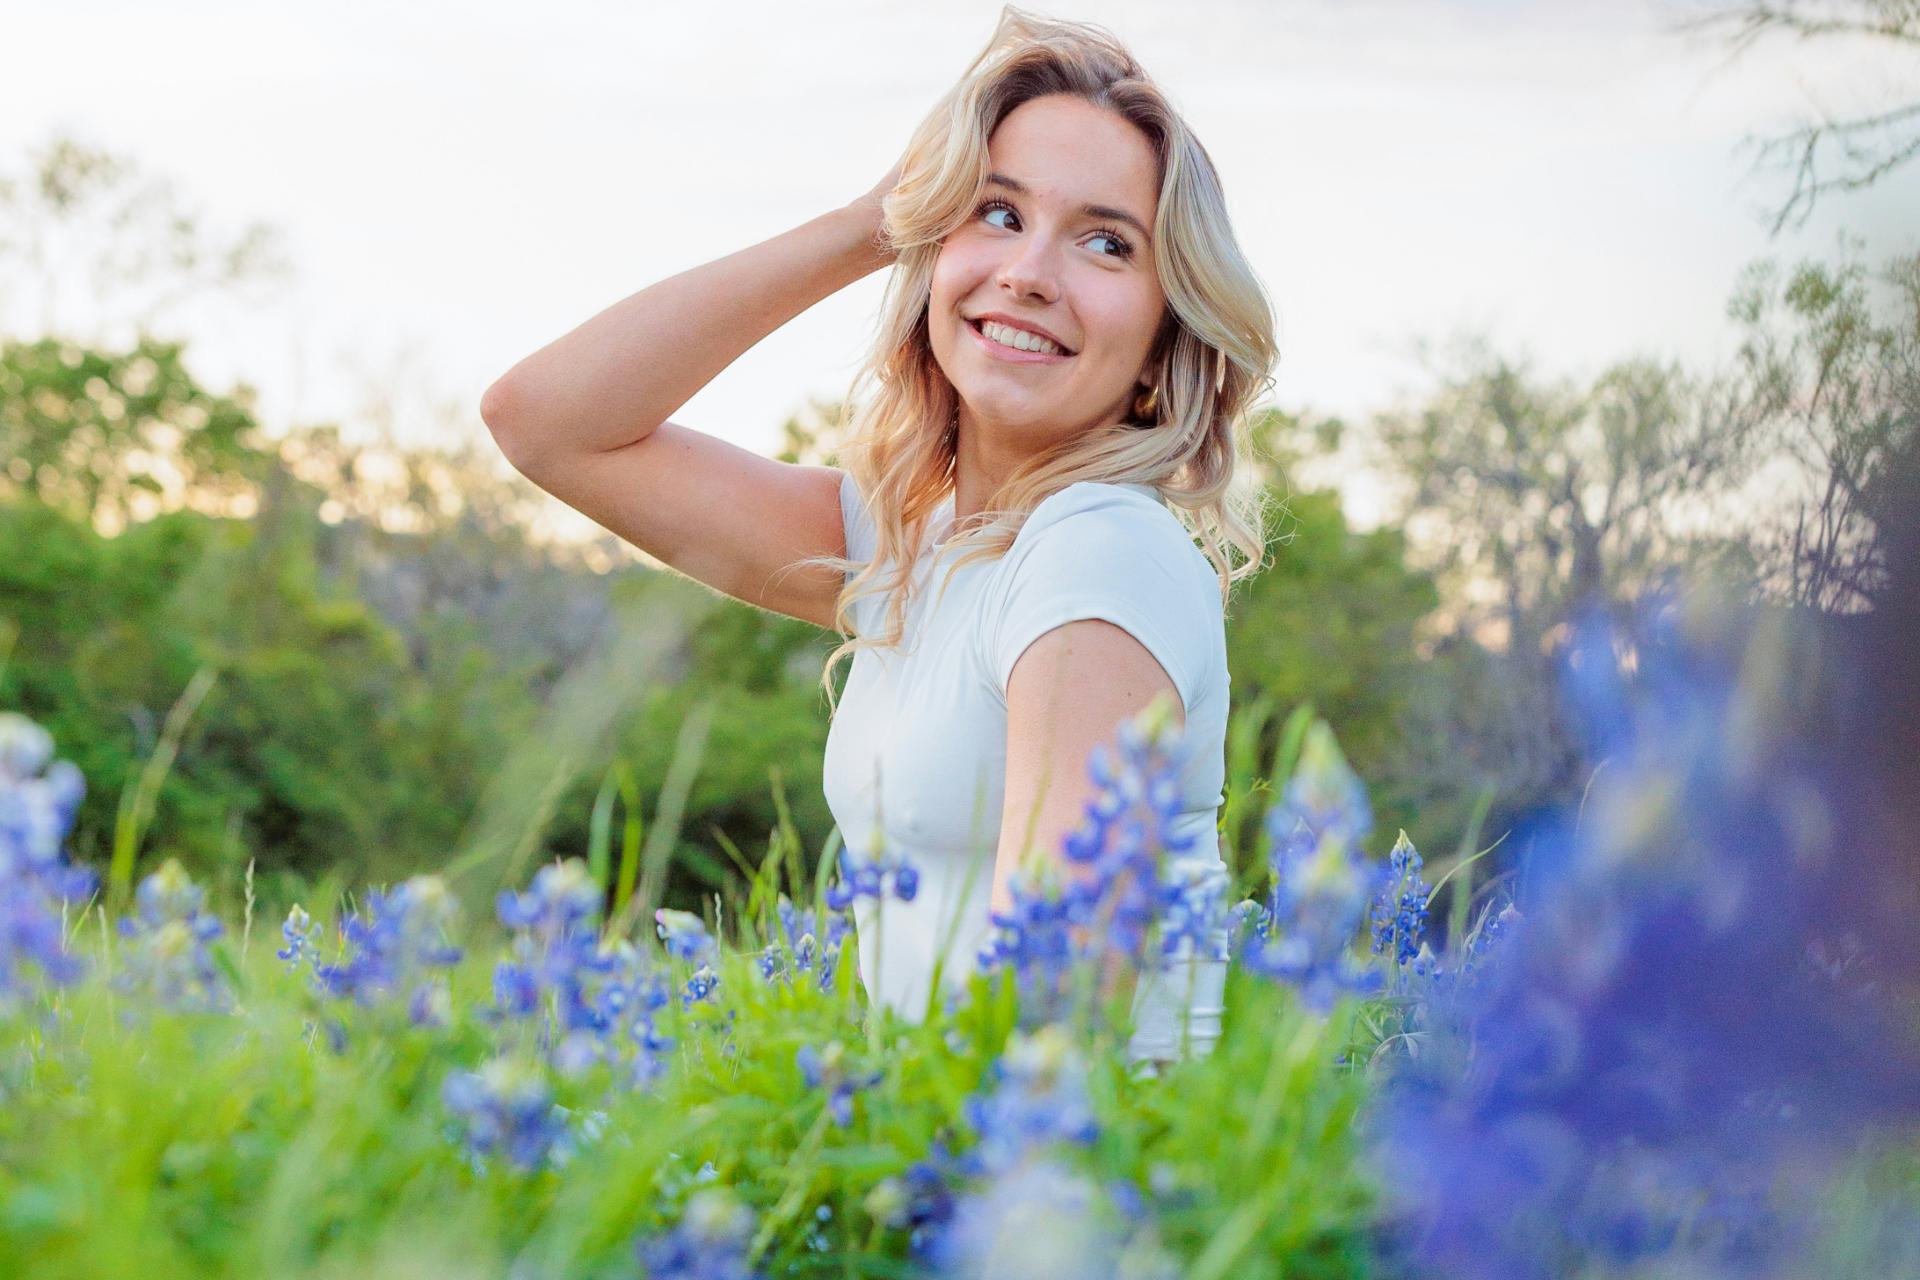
(1068, 342)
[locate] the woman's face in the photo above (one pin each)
(1033, 254)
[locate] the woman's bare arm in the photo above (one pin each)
(585, 417)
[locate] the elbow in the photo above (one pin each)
(498, 413)
(495, 406)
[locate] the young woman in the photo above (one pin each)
(1049, 417)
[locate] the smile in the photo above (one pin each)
(1013, 355)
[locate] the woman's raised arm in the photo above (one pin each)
(585, 417)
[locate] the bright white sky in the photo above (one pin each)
(458, 183)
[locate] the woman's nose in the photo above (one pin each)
(1031, 271)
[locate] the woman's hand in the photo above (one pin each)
(870, 211)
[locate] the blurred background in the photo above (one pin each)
(1574, 298)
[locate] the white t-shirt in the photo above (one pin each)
(916, 755)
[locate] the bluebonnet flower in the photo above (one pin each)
(875, 876)
(686, 938)
(700, 986)
(801, 949)
(710, 1242)
(1303, 934)
(1036, 1221)
(1036, 1096)
(1399, 914)
(391, 948)
(920, 1200)
(559, 965)
(298, 931)
(1122, 880)
(506, 1108)
(830, 1069)
(596, 998)
(684, 934)
(39, 798)
(1656, 1069)
(169, 957)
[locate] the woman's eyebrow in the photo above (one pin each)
(1092, 210)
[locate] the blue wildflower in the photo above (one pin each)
(297, 930)
(700, 986)
(1659, 1076)
(169, 957)
(39, 798)
(1303, 934)
(801, 949)
(1039, 1221)
(1399, 913)
(505, 1108)
(1036, 1096)
(684, 934)
(875, 876)
(392, 946)
(921, 1200)
(595, 997)
(831, 1070)
(563, 901)
(710, 1242)
(1122, 880)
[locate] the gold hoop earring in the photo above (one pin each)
(1144, 409)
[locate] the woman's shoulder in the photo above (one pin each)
(1123, 517)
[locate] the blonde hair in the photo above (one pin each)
(1211, 356)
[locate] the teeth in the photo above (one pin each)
(1018, 338)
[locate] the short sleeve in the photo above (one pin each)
(862, 534)
(1122, 561)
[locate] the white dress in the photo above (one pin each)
(916, 754)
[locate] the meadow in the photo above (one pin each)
(1626, 1066)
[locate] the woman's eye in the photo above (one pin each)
(987, 211)
(1119, 246)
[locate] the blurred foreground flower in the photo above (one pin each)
(708, 1243)
(39, 797)
(1655, 1066)
(169, 959)
(506, 1108)
(1303, 933)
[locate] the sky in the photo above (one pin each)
(458, 184)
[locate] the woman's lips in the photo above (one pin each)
(1012, 355)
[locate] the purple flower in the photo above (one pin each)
(168, 957)
(39, 797)
(1399, 914)
(1124, 880)
(802, 949)
(1303, 934)
(564, 900)
(392, 946)
(832, 1071)
(1653, 1064)
(1039, 1221)
(298, 933)
(684, 934)
(1036, 1096)
(875, 876)
(710, 1242)
(505, 1108)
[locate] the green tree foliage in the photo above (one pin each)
(1840, 379)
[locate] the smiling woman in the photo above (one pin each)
(1050, 415)
(1070, 340)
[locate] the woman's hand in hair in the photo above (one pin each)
(869, 207)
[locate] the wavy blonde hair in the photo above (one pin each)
(1211, 356)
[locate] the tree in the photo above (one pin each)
(1842, 390)
(85, 215)
(1871, 145)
